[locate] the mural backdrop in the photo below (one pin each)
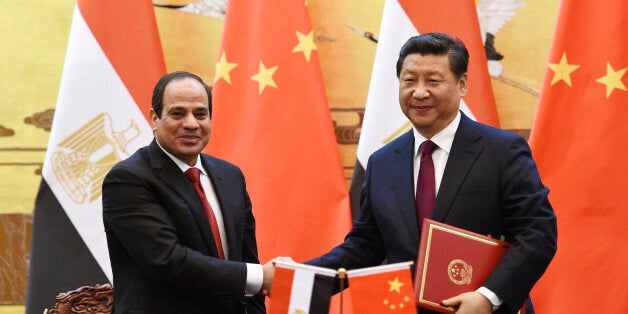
(33, 43)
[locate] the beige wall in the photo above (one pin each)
(34, 38)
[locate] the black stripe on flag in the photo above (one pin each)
(59, 259)
(321, 294)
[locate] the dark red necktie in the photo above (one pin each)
(194, 175)
(425, 184)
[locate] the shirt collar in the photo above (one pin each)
(182, 165)
(443, 139)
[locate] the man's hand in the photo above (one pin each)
(470, 302)
(269, 273)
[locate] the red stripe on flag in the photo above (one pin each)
(126, 31)
(281, 291)
(459, 18)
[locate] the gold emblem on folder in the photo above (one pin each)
(459, 272)
(86, 155)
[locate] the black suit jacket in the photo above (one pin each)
(490, 186)
(161, 247)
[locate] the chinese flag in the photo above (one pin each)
(271, 118)
(579, 141)
(382, 289)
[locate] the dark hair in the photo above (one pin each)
(158, 92)
(437, 44)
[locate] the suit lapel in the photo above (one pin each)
(402, 174)
(178, 182)
(464, 152)
(222, 192)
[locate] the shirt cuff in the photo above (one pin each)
(254, 279)
(491, 296)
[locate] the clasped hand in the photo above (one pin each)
(269, 273)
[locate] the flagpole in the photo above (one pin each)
(342, 274)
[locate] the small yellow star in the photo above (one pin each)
(223, 68)
(306, 44)
(395, 285)
(265, 77)
(562, 70)
(612, 79)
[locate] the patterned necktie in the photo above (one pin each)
(425, 185)
(194, 175)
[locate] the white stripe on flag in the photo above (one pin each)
(89, 87)
(301, 294)
(383, 116)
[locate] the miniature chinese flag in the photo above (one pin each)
(382, 289)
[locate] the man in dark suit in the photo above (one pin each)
(166, 256)
(485, 181)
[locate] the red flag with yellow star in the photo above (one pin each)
(579, 141)
(271, 118)
(382, 289)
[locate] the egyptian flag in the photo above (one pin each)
(402, 19)
(578, 139)
(113, 61)
(299, 288)
(272, 119)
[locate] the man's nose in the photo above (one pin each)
(189, 121)
(420, 91)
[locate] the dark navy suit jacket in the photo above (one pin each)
(161, 247)
(490, 186)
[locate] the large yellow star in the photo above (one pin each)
(264, 77)
(223, 68)
(306, 44)
(562, 70)
(612, 79)
(395, 285)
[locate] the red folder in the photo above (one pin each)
(452, 261)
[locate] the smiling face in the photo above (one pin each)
(430, 92)
(185, 125)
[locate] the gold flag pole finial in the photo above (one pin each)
(342, 274)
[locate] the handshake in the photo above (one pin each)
(269, 273)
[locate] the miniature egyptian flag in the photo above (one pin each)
(299, 288)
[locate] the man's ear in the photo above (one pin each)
(463, 85)
(153, 118)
